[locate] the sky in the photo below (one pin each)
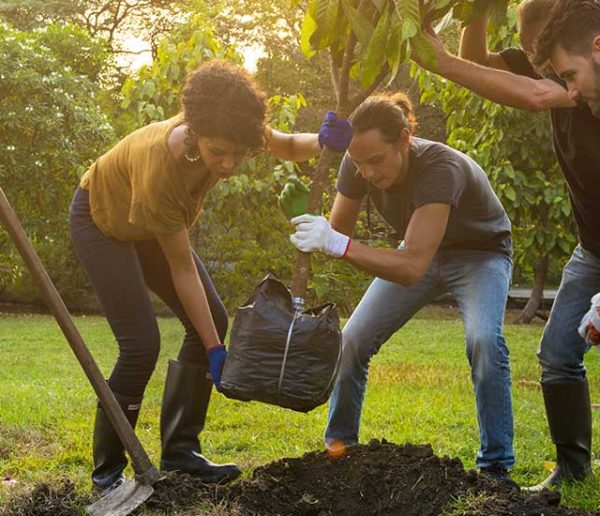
(251, 53)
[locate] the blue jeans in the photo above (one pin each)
(121, 274)
(479, 281)
(562, 349)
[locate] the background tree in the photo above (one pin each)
(106, 19)
(51, 128)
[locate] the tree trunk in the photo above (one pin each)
(319, 184)
(537, 292)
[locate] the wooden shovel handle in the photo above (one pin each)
(145, 471)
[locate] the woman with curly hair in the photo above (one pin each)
(129, 221)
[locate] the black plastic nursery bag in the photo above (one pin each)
(280, 356)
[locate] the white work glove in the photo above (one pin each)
(589, 328)
(315, 234)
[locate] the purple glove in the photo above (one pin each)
(216, 360)
(335, 133)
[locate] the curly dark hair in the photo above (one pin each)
(572, 25)
(391, 113)
(222, 100)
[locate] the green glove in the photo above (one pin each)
(293, 199)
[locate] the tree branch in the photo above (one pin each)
(344, 75)
(357, 99)
(335, 76)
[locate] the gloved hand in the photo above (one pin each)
(315, 234)
(589, 328)
(336, 133)
(293, 199)
(216, 360)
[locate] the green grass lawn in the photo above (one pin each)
(419, 391)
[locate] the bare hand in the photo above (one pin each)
(435, 43)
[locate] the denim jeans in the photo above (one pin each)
(479, 281)
(562, 349)
(121, 274)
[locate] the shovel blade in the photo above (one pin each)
(121, 500)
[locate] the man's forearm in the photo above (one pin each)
(473, 41)
(395, 265)
(503, 87)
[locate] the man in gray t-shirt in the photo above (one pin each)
(438, 174)
(456, 238)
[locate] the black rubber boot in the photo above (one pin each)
(569, 415)
(109, 452)
(185, 402)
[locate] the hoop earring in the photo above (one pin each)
(192, 159)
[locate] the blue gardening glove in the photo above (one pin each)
(335, 133)
(216, 360)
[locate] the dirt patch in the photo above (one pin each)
(46, 500)
(380, 478)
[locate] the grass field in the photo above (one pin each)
(419, 391)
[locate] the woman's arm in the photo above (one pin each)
(293, 147)
(334, 133)
(188, 285)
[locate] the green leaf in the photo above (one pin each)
(375, 51)
(464, 10)
(361, 26)
(445, 23)
(509, 193)
(396, 49)
(425, 49)
(380, 5)
(309, 26)
(410, 14)
(326, 16)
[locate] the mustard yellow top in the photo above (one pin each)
(136, 189)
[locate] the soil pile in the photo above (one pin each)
(384, 479)
(380, 478)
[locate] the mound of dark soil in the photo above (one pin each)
(375, 479)
(383, 479)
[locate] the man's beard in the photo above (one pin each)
(595, 104)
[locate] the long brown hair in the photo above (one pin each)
(391, 113)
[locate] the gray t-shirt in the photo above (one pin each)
(438, 174)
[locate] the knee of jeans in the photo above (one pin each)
(487, 350)
(142, 350)
(554, 369)
(354, 352)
